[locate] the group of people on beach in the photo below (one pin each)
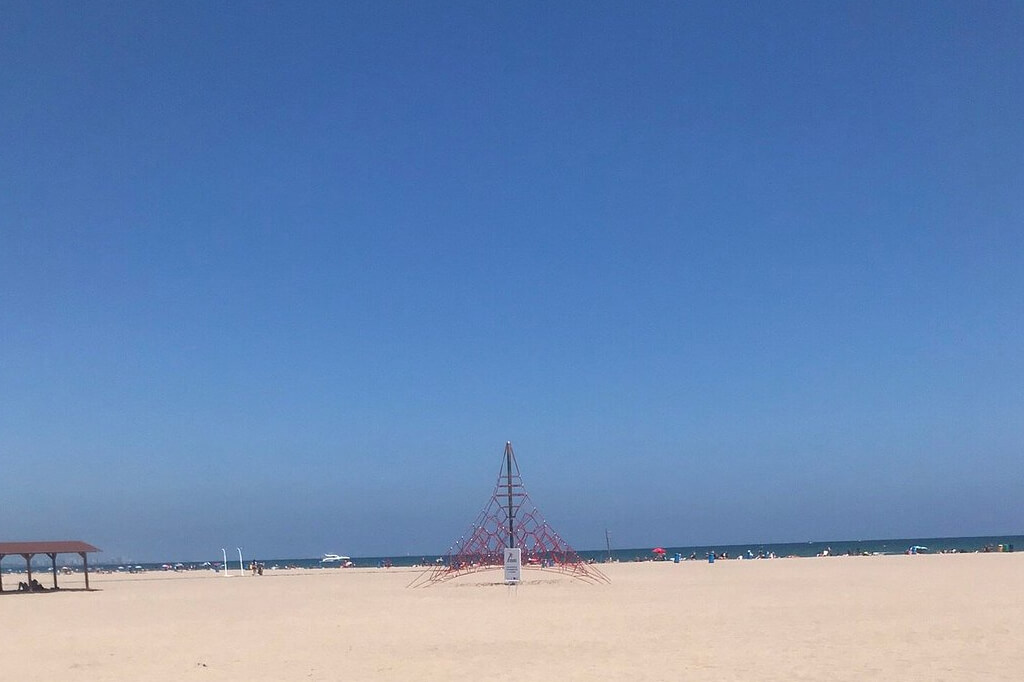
(256, 567)
(32, 586)
(998, 548)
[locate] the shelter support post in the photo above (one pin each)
(53, 561)
(85, 567)
(28, 568)
(2, 572)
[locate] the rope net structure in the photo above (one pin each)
(510, 519)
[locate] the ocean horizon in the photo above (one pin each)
(748, 550)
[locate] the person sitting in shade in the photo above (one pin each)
(34, 586)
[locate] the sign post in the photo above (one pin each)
(513, 564)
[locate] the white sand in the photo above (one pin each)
(949, 617)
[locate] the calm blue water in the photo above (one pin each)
(802, 549)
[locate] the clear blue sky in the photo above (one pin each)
(289, 276)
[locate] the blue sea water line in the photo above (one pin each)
(742, 550)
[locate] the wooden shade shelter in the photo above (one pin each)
(27, 550)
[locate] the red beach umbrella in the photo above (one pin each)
(658, 550)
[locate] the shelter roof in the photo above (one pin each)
(47, 547)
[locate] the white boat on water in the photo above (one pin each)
(336, 560)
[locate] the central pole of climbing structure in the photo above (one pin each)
(511, 509)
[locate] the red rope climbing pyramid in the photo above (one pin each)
(510, 519)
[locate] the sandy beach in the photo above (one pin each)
(944, 617)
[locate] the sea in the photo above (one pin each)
(992, 543)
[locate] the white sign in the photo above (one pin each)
(513, 564)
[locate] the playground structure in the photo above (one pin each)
(509, 520)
